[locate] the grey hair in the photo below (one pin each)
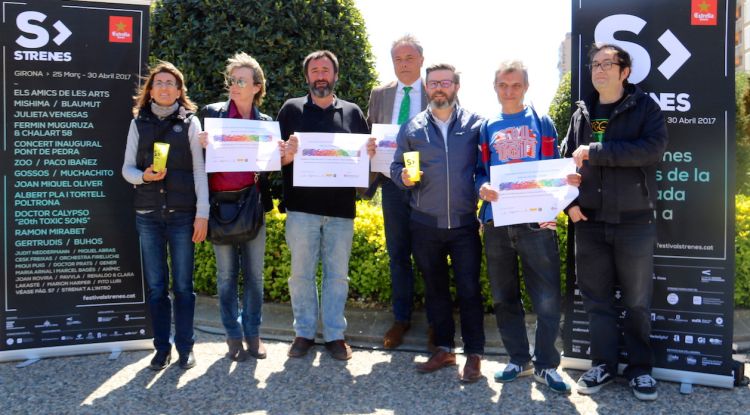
(409, 40)
(513, 66)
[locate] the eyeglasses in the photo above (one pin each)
(605, 66)
(163, 84)
(446, 83)
(236, 81)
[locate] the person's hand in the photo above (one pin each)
(203, 137)
(488, 193)
(151, 176)
(200, 229)
(282, 148)
(576, 215)
(291, 150)
(405, 177)
(581, 154)
(552, 225)
(371, 147)
(574, 179)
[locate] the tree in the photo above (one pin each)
(199, 35)
(742, 127)
(559, 108)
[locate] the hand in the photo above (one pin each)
(551, 225)
(576, 215)
(371, 147)
(488, 193)
(291, 150)
(151, 176)
(574, 179)
(405, 177)
(203, 137)
(282, 148)
(200, 229)
(581, 154)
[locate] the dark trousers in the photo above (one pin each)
(432, 247)
(623, 254)
(540, 259)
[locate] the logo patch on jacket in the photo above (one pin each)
(515, 143)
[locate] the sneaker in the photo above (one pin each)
(551, 378)
(644, 387)
(512, 371)
(593, 380)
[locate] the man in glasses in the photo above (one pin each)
(320, 220)
(443, 217)
(396, 103)
(519, 134)
(616, 137)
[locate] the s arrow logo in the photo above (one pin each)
(24, 23)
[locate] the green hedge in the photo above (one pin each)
(742, 250)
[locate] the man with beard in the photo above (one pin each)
(443, 217)
(320, 220)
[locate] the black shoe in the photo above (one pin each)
(187, 360)
(161, 360)
(594, 379)
(644, 387)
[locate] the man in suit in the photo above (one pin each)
(396, 103)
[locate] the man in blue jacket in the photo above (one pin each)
(616, 137)
(443, 217)
(517, 135)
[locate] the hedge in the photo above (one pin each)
(742, 252)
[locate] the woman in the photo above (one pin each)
(247, 87)
(171, 205)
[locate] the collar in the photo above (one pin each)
(335, 105)
(415, 87)
(233, 112)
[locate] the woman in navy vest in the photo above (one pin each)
(246, 85)
(171, 205)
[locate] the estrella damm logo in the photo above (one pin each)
(120, 29)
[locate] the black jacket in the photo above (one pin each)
(620, 175)
(221, 110)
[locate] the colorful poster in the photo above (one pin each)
(385, 139)
(531, 192)
(242, 145)
(331, 160)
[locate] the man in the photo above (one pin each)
(616, 137)
(443, 222)
(320, 220)
(518, 134)
(396, 103)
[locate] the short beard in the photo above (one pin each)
(322, 92)
(449, 102)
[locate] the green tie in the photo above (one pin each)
(403, 113)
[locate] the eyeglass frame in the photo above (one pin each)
(165, 84)
(231, 81)
(605, 66)
(445, 83)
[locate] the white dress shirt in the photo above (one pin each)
(416, 100)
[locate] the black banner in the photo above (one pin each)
(72, 280)
(683, 56)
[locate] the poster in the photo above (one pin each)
(242, 145)
(72, 280)
(331, 160)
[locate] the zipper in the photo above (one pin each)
(448, 178)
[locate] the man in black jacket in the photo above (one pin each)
(616, 137)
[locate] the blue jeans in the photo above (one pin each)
(229, 258)
(157, 231)
(432, 246)
(540, 260)
(396, 212)
(622, 254)
(310, 238)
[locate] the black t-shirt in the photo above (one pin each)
(302, 115)
(600, 115)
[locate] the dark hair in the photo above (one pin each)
(623, 58)
(143, 95)
(318, 54)
(443, 66)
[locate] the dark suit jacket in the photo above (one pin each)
(380, 109)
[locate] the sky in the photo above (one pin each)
(475, 36)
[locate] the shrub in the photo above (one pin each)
(742, 252)
(560, 107)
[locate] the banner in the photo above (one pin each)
(72, 280)
(686, 64)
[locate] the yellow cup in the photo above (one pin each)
(160, 156)
(411, 160)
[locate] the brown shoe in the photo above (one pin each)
(431, 340)
(438, 360)
(394, 337)
(339, 350)
(236, 351)
(300, 346)
(255, 347)
(472, 369)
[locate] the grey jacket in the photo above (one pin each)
(445, 196)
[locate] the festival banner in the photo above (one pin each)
(686, 64)
(72, 280)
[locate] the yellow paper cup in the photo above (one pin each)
(411, 160)
(160, 156)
